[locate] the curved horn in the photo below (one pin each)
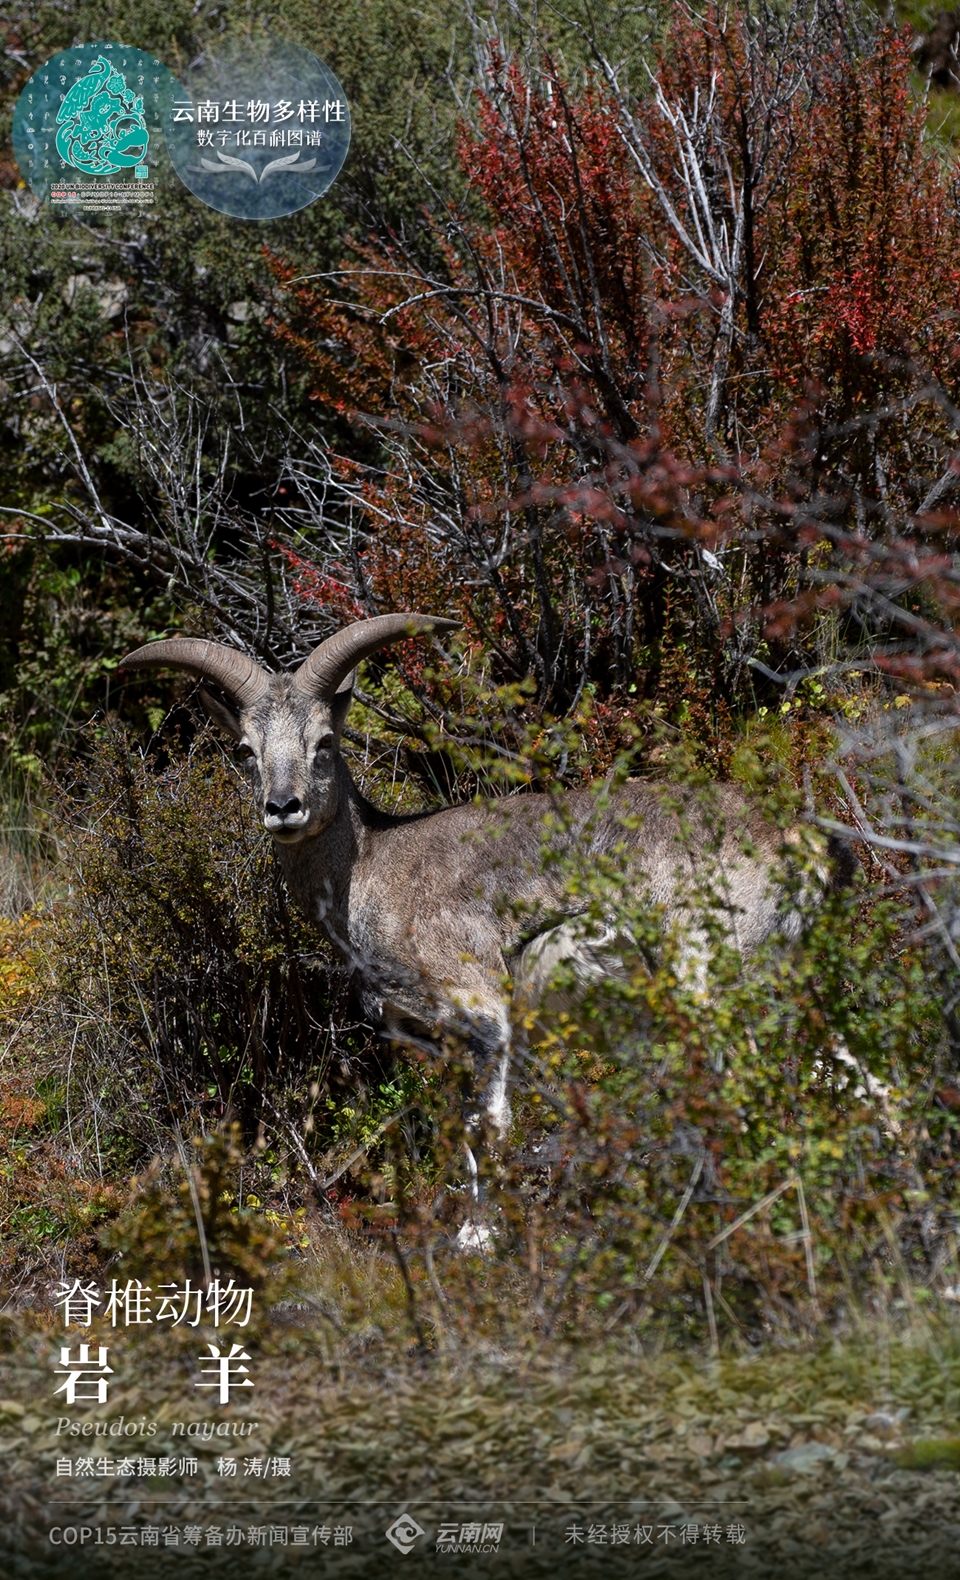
(331, 662)
(233, 672)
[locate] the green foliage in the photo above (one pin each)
(184, 1220)
(170, 990)
(181, 994)
(97, 304)
(47, 1205)
(931, 1454)
(174, 993)
(180, 989)
(688, 1087)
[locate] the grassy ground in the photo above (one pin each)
(447, 1391)
(437, 1391)
(838, 1456)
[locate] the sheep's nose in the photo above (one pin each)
(283, 808)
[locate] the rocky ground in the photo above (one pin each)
(839, 1460)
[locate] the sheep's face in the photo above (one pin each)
(287, 727)
(289, 745)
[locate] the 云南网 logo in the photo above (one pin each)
(404, 1533)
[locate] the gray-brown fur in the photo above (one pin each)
(436, 913)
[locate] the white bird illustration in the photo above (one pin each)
(287, 163)
(228, 163)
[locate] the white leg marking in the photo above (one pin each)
(498, 1097)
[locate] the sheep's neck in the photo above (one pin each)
(319, 870)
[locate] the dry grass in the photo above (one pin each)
(709, 1267)
(543, 1433)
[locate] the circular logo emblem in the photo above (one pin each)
(259, 133)
(89, 123)
(404, 1533)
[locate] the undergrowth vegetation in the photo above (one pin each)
(738, 1152)
(658, 396)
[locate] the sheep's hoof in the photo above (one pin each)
(474, 1239)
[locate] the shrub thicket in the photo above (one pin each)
(174, 993)
(663, 407)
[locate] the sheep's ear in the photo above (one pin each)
(220, 713)
(342, 698)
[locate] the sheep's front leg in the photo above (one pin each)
(482, 1019)
(487, 1110)
(493, 1068)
